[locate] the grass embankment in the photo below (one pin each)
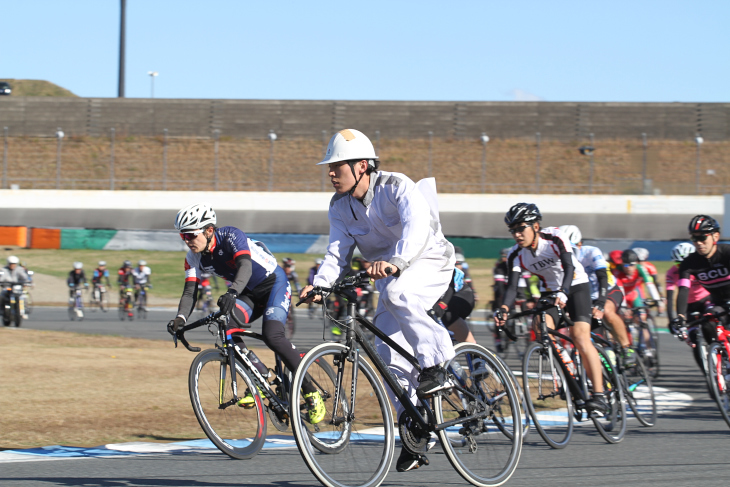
(36, 87)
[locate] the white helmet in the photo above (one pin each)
(681, 251)
(318, 261)
(102, 263)
(459, 257)
(194, 217)
(142, 262)
(641, 253)
(13, 260)
(349, 145)
(572, 233)
(78, 265)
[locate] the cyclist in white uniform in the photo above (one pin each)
(547, 254)
(394, 223)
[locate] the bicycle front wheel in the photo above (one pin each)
(612, 426)
(356, 441)
(237, 431)
(640, 393)
(547, 396)
(718, 368)
(484, 450)
(649, 346)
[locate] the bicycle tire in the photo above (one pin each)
(238, 432)
(612, 427)
(639, 393)
(362, 450)
(482, 457)
(718, 369)
(555, 421)
(28, 304)
(18, 318)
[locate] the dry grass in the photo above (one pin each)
(87, 390)
(243, 164)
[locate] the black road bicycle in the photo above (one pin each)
(556, 386)
(644, 335)
(474, 420)
(221, 377)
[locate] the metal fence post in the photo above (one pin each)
(59, 137)
(272, 138)
(164, 160)
(216, 136)
(537, 164)
(430, 153)
(484, 138)
(111, 161)
(590, 177)
(5, 158)
(644, 144)
(324, 167)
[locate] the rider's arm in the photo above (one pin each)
(566, 258)
(683, 291)
(106, 276)
(243, 272)
(188, 299)
(513, 279)
(671, 286)
(649, 281)
(602, 277)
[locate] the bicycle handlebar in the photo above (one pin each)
(544, 304)
(360, 279)
(213, 317)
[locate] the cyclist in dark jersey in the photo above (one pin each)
(710, 265)
(259, 287)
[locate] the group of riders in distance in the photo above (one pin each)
(133, 283)
(426, 295)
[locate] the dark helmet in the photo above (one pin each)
(127, 263)
(628, 256)
(522, 212)
(703, 224)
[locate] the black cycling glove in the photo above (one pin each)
(175, 325)
(227, 301)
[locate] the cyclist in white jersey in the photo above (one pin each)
(605, 293)
(547, 254)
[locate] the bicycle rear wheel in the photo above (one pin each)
(548, 398)
(485, 451)
(639, 393)
(356, 446)
(238, 432)
(718, 370)
(612, 427)
(649, 346)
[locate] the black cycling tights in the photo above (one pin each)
(276, 340)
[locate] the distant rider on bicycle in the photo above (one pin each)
(141, 275)
(13, 273)
(100, 274)
(259, 287)
(394, 223)
(75, 279)
(547, 253)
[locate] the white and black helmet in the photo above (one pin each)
(572, 233)
(78, 265)
(642, 253)
(681, 251)
(13, 260)
(194, 217)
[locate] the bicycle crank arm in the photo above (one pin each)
(454, 422)
(229, 403)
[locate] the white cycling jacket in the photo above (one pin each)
(397, 222)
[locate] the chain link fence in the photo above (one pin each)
(521, 165)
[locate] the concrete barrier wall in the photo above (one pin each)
(40, 116)
(599, 217)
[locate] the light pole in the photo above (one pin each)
(152, 75)
(698, 140)
(5, 157)
(272, 138)
(587, 150)
(484, 138)
(643, 165)
(430, 153)
(59, 137)
(122, 30)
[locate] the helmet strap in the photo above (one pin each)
(207, 251)
(354, 186)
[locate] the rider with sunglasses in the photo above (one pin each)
(710, 265)
(259, 287)
(630, 276)
(548, 254)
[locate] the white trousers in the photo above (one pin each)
(402, 314)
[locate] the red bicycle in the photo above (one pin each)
(718, 362)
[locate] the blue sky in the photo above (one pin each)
(640, 50)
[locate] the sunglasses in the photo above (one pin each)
(699, 238)
(520, 229)
(190, 236)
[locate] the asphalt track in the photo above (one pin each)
(686, 447)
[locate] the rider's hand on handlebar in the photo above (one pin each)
(676, 326)
(500, 316)
(312, 299)
(227, 301)
(597, 313)
(379, 270)
(175, 325)
(560, 300)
